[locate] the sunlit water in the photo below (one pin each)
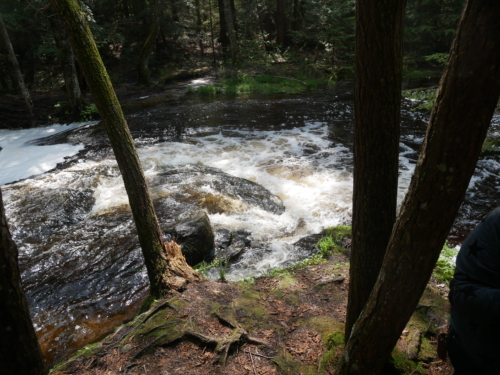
(80, 260)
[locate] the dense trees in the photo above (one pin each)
(465, 102)
(20, 353)
(144, 37)
(166, 266)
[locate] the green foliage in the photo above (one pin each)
(440, 58)
(222, 268)
(445, 266)
(330, 243)
(429, 28)
(491, 145)
(280, 271)
(425, 95)
(89, 113)
(244, 84)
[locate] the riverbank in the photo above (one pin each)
(289, 322)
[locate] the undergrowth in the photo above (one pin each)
(244, 84)
(445, 266)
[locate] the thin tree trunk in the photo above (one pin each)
(147, 48)
(231, 31)
(17, 71)
(212, 33)
(67, 57)
(126, 11)
(379, 60)
(280, 23)
(20, 353)
(165, 263)
(224, 40)
(464, 106)
(199, 27)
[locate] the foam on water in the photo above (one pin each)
(19, 159)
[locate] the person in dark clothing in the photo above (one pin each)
(474, 342)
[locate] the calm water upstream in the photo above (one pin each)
(81, 264)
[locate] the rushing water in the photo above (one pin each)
(80, 260)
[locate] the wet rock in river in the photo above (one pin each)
(216, 191)
(196, 237)
(231, 245)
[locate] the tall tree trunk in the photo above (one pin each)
(126, 11)
(147, 48)
(67, 57)
(280, 23)
(464, 106)
(199, 27)
(17, 71)
(231, 31)
(379, 60)
(165, 263)
(296, 23)
(20, 353)
(223, 38)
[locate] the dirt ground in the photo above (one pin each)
(291, 323)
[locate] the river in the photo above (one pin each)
(81, 265)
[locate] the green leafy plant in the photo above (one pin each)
(89, 113)
(329, 244)
(425, 95)
(445, 266)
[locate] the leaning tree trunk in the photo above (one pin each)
(379, 60)
(165, 263)
(75, 98)
(231, 31)
(147, 48)
(465, 103)
(20, 353)
(17, 71)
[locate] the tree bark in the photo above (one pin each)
(20, 353)
(165, 263)
(223, 38)
(280, 23)
(147, 48)
(231, 31)
(378, 70)
(464, 106)
(17, 71)
(67, 57)
(199, 25)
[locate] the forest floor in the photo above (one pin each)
(289, 323)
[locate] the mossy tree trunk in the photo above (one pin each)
(16, 71)
(464, 106)
(20, 352)
(68, 65)
(379, 61)
(231, 31)
(147, 48)
(165, 263)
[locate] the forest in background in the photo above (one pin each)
(315, 35)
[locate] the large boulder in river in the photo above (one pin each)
(195, 235)
(213, 190)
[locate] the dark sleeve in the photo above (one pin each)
(475, 288)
